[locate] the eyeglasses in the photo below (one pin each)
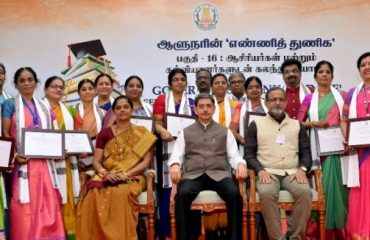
(178, 80)
(56, 86)
(236, 82)
(276, 99)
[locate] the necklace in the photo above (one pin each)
(120, 149)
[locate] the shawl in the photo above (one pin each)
(24, 196)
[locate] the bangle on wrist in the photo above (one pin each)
(102, 172)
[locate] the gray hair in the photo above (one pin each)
(236, 74)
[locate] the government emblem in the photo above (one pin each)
(206, 16)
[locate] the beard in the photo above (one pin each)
(278, 113)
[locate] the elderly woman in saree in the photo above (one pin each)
(68, 174)
(109, 207)
(356, 105)
(323, 109)
(35, 207)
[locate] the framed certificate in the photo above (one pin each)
(358, 132)
(77, 142)
(42, 143)
(174, 123)
(251, 116)
(329, 141)
(7, 152)
(143, 121)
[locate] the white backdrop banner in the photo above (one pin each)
(148, 38)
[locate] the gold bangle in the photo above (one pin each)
(102, 172)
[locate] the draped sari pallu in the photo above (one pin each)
(69, 180)
(336, 194)
(35, 204)
(358, 222)
(110, 210)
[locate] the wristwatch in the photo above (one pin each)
(303, 169)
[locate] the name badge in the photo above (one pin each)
(280, 139)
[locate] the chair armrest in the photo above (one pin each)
(242, 189)
(150, 171)
(173, 193)
(149, 175)
(252, 186)
(318, 175)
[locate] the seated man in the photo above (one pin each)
(277, 148)
(201, 159)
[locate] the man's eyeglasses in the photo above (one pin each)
(276, 99)
(236, 82)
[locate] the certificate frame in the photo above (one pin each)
(166, 120)
(320, 152)
(40, 131)
(11, 153)
(144, 120)
(78, 132)
(251, 115)
(351, 121)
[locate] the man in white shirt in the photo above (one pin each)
(201, 160)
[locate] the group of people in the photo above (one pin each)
(279, 146)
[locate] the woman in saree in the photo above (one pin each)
(323, 109)
(356, 105)
(104, 87)
(68, 177)
(89, 117)
(224, 106)
(109, 208)
(254, 103)
(3, 198)
(134, 87)
(176, 102)
(35, 206)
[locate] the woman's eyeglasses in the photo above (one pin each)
(56, 87)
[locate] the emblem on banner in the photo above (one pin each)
(206, 16)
